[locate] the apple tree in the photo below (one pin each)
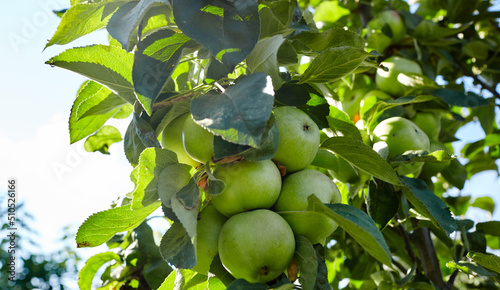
(290, 144)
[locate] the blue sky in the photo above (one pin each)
(61, 184)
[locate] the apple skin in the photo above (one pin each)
(401, 135)
(208, 228)
(171, 138)
(295, 190)
(429, 122)
(431, 169)
(393, 20)
(298, 138)
(387, 81)
(256, 246)
(249, 185)
(197, 141)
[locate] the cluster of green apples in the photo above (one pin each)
(253, 222)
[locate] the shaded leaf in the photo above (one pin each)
(172, 179)
(263, 58)
(460, 98)
(138, 137)
(333, 37)
(382, 202)
(305, 255)
(186, 206)
(427, 203)
(240, 114)
(176, 247)
(489, 261)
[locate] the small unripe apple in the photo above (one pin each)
(401, 135)
(390, 81)
(198, 141)
(431, 169)
(249, 185)
(209, 224)
(298, 138)
(171, 138)
(429, 122)
(295, 190)
(256, 246)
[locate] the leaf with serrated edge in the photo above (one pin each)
(489, 261)
(151, 163)
(362, 157)
(91, 267)
(334, 64)
(110, 66)
(172, 179)
(139, 136)
(89, 96)
(82, 19)
(182, 205)
(428, 204)
(101, 226)
(240, 114)
(177, 248)
(357, 224)
(102, 139)
(122, 24)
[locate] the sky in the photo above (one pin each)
(61, 184)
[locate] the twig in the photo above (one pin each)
(171, 101)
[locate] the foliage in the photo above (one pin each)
(229, 63)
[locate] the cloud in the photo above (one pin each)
(61, 184)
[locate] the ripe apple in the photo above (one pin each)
(401, 135)
(256, 246)
(198, 141)
(171, 138)
(431, 169)
(295, 190)
(249, 185)
(388, 81)
(209, 224)
(298, 138)
(429, 122)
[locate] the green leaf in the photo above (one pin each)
(461, 98)
(357, 224)
(145, 175)
(110, 66)
(241, 284)
(489, 228)
(186, 206)
(101, 140)
(154, 62)
(229, 30)
(428, 30)
(305, 255)
(124, 22)
(240, 114)
(82, 19)
(218, 270)
(455, 173)
(428, 204)
(489, 261)
(346, 127)
(91, 267)
(138, 137)
(470, 268)
(264, 58)
(485, 203)
(382, 202)
(292, 94)
(333, 37)
(101, 226)
(172, 179)
(334, 64)
(362, 157)
(91, 95)
(176, 247)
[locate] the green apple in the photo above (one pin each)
(171, 138)
(401, 135)
(197, 141)
(298, 138)
(209, 224)
(388, 19)
(256, 246)
(370, 99)
(431, 169)
(351, 101)
(389, 81)
(249, 185)
(292, 204)
(429, 122)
